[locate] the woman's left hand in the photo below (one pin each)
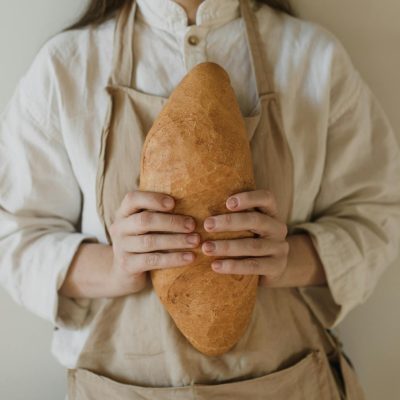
(267, 254)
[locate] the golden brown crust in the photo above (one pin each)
(197, 150)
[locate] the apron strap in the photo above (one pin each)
(259, 65)
(121, 72)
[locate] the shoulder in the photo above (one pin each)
(66, 71)
(79, 43)
(69, 56)
(302, 43)
(308, 60)
(295, 32)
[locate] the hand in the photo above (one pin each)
(269, 251)
(135, 247)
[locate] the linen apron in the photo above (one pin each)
(134, 349)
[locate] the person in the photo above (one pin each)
(64, 260)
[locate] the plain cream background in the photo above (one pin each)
(370, 32)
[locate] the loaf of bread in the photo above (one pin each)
(198, 151)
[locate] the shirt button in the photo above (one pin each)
(193, 40)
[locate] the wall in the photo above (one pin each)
(370, 32)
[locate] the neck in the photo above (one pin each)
(190, 7)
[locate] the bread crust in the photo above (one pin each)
(198, 151)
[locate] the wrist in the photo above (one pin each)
(122, 283)
(304, 267)
(87, 276)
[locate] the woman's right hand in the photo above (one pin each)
(136, 248)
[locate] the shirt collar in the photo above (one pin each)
(171, 16)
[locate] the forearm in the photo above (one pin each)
(304, 267)
(88, 274)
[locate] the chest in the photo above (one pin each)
(83, 141)
(304, 124)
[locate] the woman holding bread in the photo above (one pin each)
(297, 247)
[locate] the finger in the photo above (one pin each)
(138, 200)
(254, 221)
(262, 199)
(243, 247)
(151, 242)
(137, 263)
(271, 266)
(147, 221)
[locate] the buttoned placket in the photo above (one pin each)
(194, 43)
(192, 38)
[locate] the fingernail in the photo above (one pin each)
(217, 264)
(209, 223)
(189, 223)
(233, 202)
(192, 239)
(167, 202)
(187, 256)
(209, 246)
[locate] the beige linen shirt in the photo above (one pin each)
(346, 157)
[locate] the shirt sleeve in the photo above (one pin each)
(355, 225)
(40, 200)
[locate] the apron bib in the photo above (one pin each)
(134, 349)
